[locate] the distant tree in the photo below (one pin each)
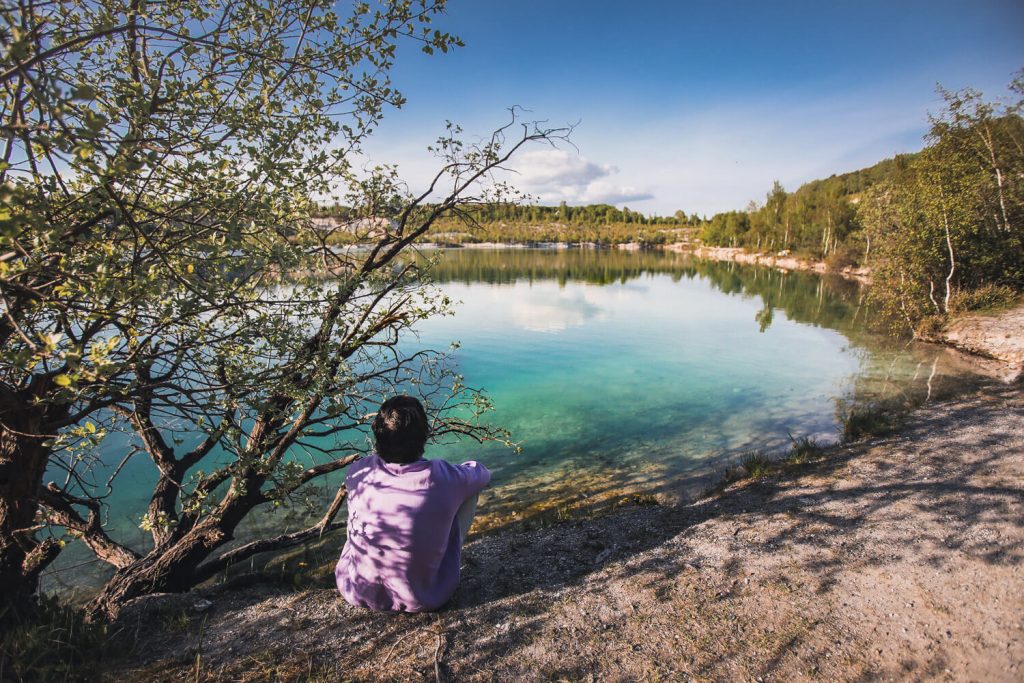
(775, 213)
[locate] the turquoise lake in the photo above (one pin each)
(631, 372)
(648, 371)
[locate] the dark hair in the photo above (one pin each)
(401, 430)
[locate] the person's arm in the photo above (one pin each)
(473, 476)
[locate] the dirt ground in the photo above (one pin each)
(896, 558)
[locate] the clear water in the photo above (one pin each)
(643, 372)
(629, 372)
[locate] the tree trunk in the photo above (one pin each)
(1002, 200)
(23, 459)
(989, 141)
(952, 260)
(165, 570)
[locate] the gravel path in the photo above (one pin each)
(894, 559)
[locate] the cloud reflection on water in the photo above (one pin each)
(544, 310)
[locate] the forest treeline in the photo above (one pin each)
(817, 220)
(591, 214)
(516, 223)
(820, 220)
(941, 229)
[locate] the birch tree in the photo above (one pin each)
(952, 225)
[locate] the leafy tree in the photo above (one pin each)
(775, 212)
(159, 163)
(951, 223)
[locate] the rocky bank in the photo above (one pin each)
(998, 335)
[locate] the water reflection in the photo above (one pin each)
(826, 300)
(541, 312)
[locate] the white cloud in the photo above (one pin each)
(559, 167)
(556, 175)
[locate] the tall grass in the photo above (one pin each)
(873, 419)
(56, 644)
(758, 464)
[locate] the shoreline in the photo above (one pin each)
(786, 262)
(895, 557)
(740, 255)
(735, 254)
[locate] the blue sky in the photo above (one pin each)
(698, 105)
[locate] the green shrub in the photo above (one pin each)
(987, 296)
(804, 450)
(843, 257)
(930, 328)
(757, 464)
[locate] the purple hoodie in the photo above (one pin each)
(403, 549)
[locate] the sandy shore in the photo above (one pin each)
(896, 558)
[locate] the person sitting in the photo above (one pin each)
(407, 517)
